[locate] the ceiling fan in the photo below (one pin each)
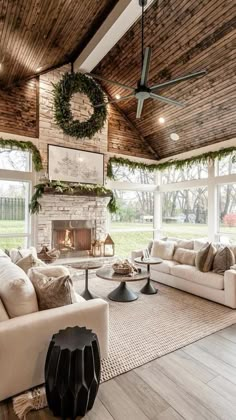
(143, 91)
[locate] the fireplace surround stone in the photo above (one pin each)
(70, 208)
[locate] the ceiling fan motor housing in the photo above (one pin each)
(142, 3)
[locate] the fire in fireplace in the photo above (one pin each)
(73, 237)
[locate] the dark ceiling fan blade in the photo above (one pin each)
(123, 98)
(166, 100)
(139, 108)
(95, 76)
(179, 79)
(146, 65)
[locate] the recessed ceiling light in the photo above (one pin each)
(161, 120)
(39, 69)
(174, 136)
(117, 96)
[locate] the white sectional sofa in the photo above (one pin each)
(212, 286)
(25, 333)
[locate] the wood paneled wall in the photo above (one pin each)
(19, 109)
(123, 138)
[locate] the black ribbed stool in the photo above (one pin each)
(72, 372)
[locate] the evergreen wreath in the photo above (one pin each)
(177, 164)
(70, 84)
(24, 145)
(58, 187)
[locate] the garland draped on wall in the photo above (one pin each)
(57, 187)
(177, 164)
(25, 146)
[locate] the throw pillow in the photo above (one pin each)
(53, 292)
(16, 290)
(163, 249)
(28, 262)
(205, 258)
(185, 256)
(17, 253)
(223, 260)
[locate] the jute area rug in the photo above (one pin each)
(154, 325)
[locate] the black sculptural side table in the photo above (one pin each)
(72, 372)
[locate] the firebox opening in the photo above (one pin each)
(73, 237)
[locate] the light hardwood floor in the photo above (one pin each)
(194, 383)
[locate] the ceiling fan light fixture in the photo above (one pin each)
(174, 136)
(161, 120)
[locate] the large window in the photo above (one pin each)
(132, 225)
(184, 213)
(227, 212)
(194, 202)
(15, 189)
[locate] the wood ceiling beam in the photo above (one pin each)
(121, 18)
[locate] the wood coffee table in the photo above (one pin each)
(122, 293)
(148, 289)
(90, 265)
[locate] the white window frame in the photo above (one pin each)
(211, 182)
(22, 176)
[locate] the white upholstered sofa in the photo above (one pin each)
(25, 332)
(212, 286)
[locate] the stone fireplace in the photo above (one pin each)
(71, 223)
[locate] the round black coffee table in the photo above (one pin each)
(87, 265)
(122, 293)
(72, 372)
(148, 289)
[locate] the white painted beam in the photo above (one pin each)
(121, 18)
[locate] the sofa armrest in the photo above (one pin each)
(137, 253)
(24, 341)
(230, 288)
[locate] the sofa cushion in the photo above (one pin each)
(16, 290)
(28, 262)
(185, 256)
(205, 258)
(4, 255)
(199, 244)
(183, 271)
(3, 313)
(223, 260)
(164, 267)
(210, 279)
(163, 249)
(186, 244)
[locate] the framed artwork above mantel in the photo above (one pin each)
(75, 165)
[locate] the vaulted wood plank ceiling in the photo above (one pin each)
(185, 36)
(40, 34)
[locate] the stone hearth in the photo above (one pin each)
(64, 207)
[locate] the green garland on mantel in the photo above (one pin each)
(58, 187)
(177, 164)
(25, 146)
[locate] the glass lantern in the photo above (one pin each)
(96, 249)
(109, 247)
